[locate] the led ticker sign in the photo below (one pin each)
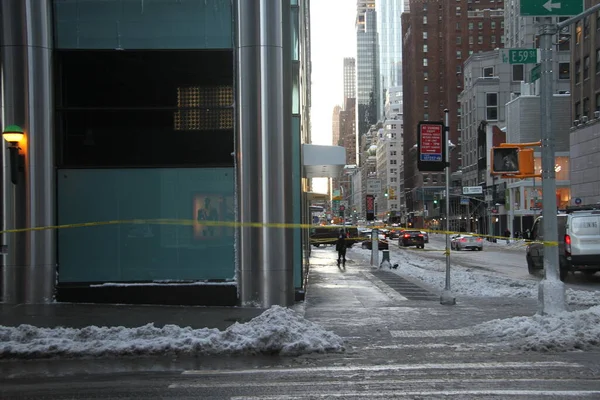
(370, 207)
(431, 146)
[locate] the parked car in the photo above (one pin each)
(578, 242)
(464, 241)
(425, 236)
(412, 238)
(368, 244)
(328, 234)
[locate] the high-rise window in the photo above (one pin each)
(491, 106)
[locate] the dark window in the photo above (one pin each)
(144, 108)
(564, 70)
(517, 72)
(586, 67)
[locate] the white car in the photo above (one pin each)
(463, 241)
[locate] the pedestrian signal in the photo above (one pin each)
(515, 161)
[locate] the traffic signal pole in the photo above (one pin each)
(551, 291)
(446, 297)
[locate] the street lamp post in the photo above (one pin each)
(446, 297)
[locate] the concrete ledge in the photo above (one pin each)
(167, 294)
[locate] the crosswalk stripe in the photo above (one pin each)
(432, 333)
(392, 367)
(395, 394)
(436, 346)
(201, 385)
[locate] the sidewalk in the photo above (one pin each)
(366, 305)
(377, 309)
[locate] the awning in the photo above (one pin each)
(323, 161)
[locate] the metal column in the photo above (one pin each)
(29, 269)
(551, 290)
(264, 169)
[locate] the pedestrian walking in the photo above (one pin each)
(340, 247)
(507, 235)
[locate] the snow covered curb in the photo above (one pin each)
(575, 330)
(278, 330)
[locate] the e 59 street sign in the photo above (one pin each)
(546, 8)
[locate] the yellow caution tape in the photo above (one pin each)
(233, 224)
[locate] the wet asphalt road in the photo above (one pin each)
(396, 347)
(567, 377)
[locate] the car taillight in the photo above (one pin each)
(420, 235)
(463, 240)
(407, 236)
(567, 245)
(479, 239)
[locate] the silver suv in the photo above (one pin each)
(578, 242)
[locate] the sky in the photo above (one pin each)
(285, 331)
(333, 37)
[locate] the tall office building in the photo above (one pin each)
(367, 70)
(335, 125)
(349, 78)
(433, 55)
(389, 14)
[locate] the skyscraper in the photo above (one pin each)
(349, 79)
(367, 67)
(389, 13)
(335, 125)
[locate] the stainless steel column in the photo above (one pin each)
(29, 270)
(263, 164)
(551, 290)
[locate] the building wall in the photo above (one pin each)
(524, 120)
(130, 124)
(585, 163)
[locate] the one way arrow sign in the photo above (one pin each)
(549, 8)
(550, 5)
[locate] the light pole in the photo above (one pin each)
(446, 297)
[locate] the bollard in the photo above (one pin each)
(386, 259)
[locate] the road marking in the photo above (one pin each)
(456, 346)
(392, 367)
(395, 394)
(433, 333)
(202, 385)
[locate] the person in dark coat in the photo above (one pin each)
(340, 247)
(507, 235)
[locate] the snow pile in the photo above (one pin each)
(471, 282)
(576, 330)
(276, 331)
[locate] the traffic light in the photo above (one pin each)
(513, 161)
(435, 201)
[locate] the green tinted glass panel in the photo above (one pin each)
(147, 24)
(168, 242)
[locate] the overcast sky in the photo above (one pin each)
(333, 37)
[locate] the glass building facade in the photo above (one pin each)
(144, 142)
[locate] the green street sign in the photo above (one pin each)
(520, 56)
(544, 8)
(535, 73)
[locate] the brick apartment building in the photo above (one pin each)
(437, 37)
